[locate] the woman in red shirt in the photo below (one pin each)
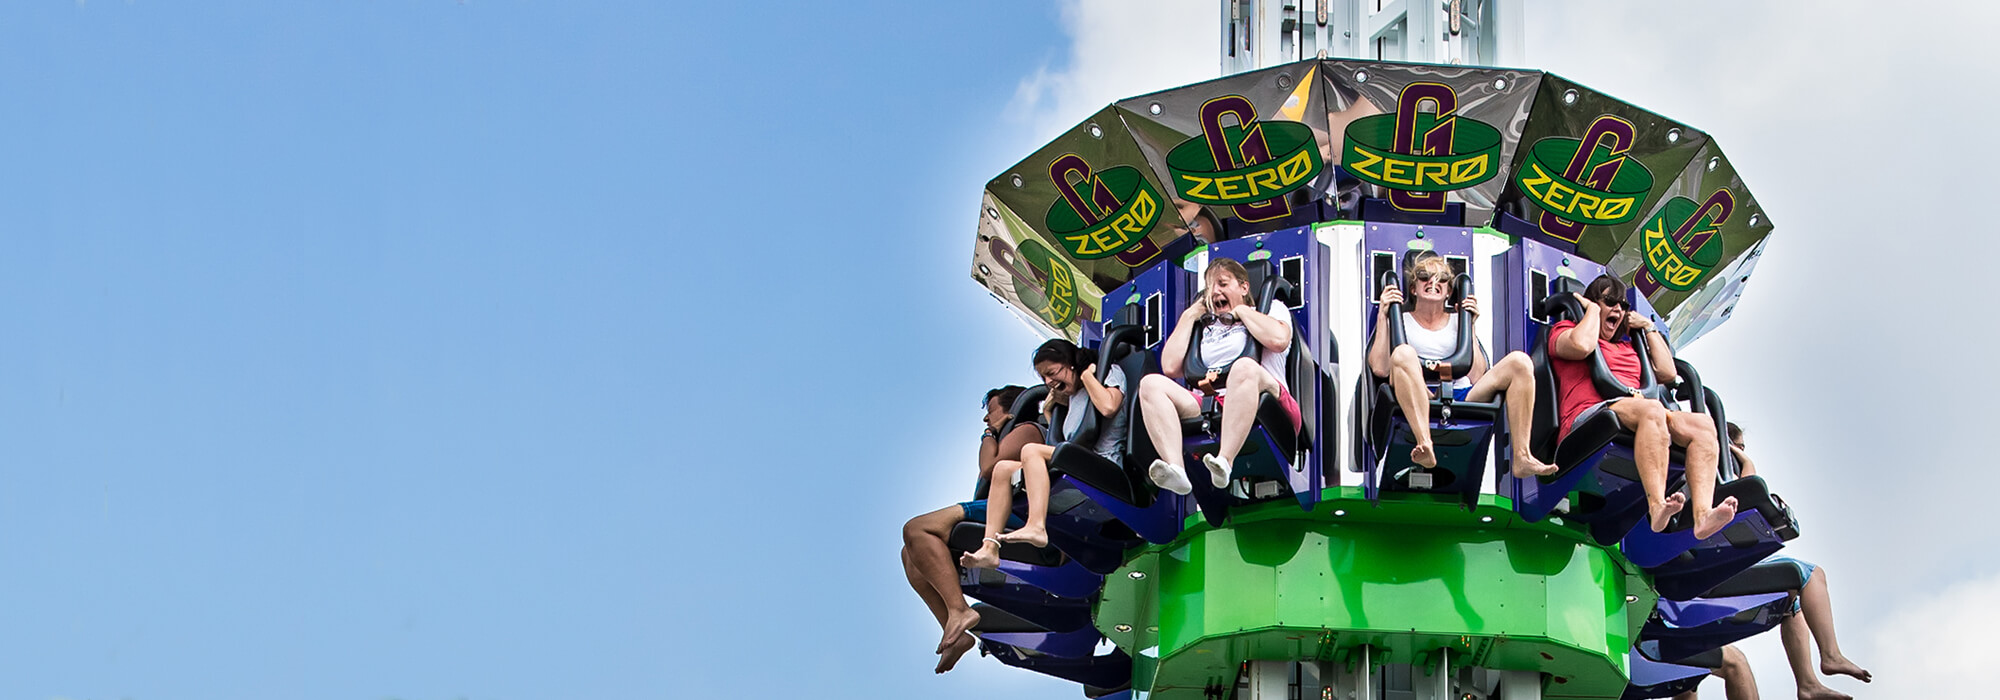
(1606, 312)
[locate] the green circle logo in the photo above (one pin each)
(1054, 300)
(1199, 178)
(1088, 235)
(1372, 158)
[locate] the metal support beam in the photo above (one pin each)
(1263, 33)
(1521, 685)
(1269, 680)
(1432, 681)
(1355, 679)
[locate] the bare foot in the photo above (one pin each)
(1715, 519)
(986, 557)
(1424, 455)
(956, 624)
(1823, 693)
(1525, 465)
(948, 657)
(1037, 536)
(1662, 512)
(1845, 668)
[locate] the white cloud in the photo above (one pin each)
(1118, 48)
(1937, 646)
(1856, 125)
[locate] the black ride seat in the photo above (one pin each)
(1461, 431)
(1273, 450)
(1116, 504)
(1683, 567)
(1595, 465)
(1123, 479)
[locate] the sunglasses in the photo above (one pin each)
(1422, 276)
(1615, 304)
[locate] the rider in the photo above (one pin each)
(926, 557)
(1226, 312)
(1431, 333)
(1609, 328)
(1813, 618)
(1738, 681)
(1062, 366)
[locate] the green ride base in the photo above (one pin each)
(1407, 577)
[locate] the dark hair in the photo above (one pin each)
(1214, 224)
(1735, 432)
(1604, 286)
(1006, 394)
(1062, 352)
(1608, 286)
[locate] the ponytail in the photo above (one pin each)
(1063, 352)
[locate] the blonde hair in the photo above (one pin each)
(1428, 260)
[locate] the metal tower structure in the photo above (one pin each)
(1261, 33)
(1346, 141)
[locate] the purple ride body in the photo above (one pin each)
(1384, 246)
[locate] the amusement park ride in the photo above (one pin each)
(1342, 140)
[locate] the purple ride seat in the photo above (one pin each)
(1112, 670)
(1750, 603)
(1119, 488)
(1462, 432)
(1273, 450)
(1596, 465)
(1654, 679)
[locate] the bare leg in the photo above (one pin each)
(1798, 650)
(1247, 383)
(1696, 433)
(1164, 404)
(1035, 474)
(923, 588)
(1738, 683)
(1817, 609)
(928, 564)
(1406, 376)
(1515, 374)
(999, 505)
(1649, 448)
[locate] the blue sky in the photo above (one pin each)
(486, 350)
(432, 350)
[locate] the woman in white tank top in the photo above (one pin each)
(1430, 332)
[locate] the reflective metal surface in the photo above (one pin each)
(1528, 153)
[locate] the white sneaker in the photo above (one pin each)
(1218, 470)
(1169, 477)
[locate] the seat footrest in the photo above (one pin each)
(968, 536)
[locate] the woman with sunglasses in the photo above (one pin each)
(1612, 330)
(1431, 333)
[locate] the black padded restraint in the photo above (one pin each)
(1269, 287)
(1608, 385)
(1464, 346)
